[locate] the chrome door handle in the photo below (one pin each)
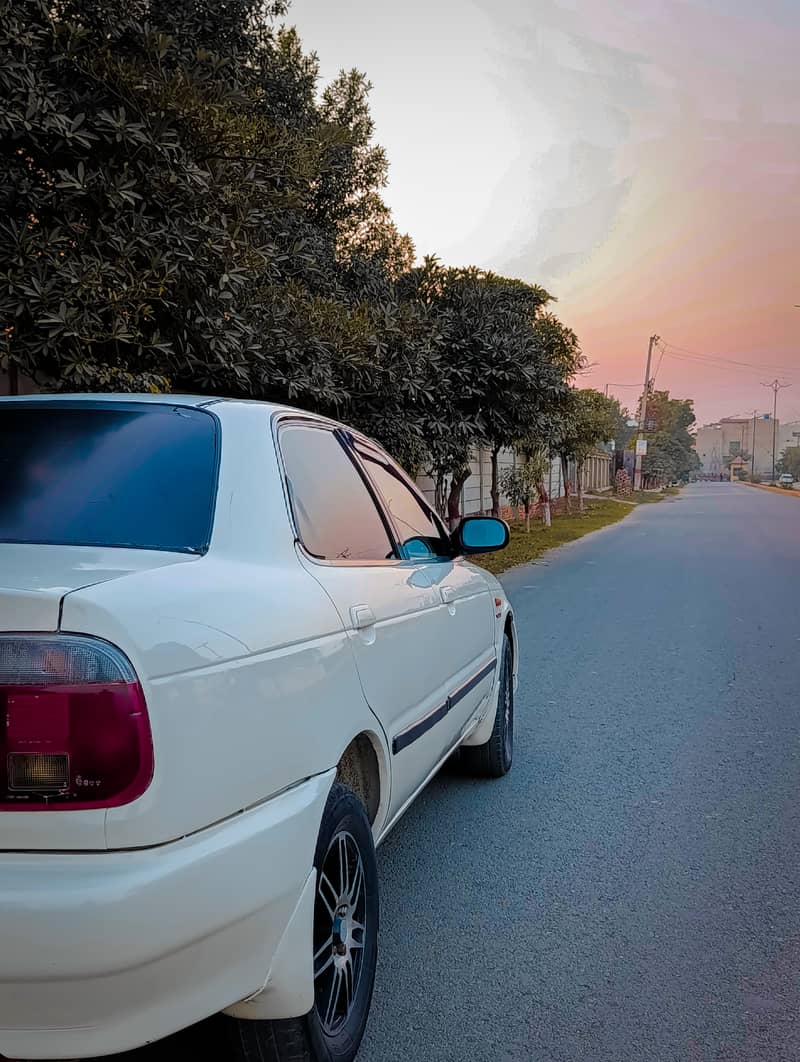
(362, 617)
(448, 594)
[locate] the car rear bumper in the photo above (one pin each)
(100, 953)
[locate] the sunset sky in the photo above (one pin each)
(639, 158)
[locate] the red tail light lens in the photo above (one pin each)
(75, 732)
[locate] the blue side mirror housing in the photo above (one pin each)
(481, 534)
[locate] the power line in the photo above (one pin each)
(729, 367)
(724, 357)
(675, 351)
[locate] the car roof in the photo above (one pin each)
(133, 396)
(145, 397)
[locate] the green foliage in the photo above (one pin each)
(589, 419)
(182, 209)
(670, 451)
(148, 198)
(500, 362)
(521, 483)
(624, 433)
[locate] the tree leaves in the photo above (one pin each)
(670, 450)
(180, 208)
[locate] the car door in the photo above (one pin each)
(391, 606)
(468, 631)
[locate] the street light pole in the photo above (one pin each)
(637, 468)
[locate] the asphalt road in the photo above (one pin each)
(631, 891)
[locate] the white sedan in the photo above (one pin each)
(235, 644)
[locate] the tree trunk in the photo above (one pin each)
(454, 497)
(440, 494)
(495, 486)
(565, 477)
(528, 515)
(544, 500)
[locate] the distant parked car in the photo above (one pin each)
(786, 480)
(236, 644)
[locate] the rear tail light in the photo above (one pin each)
(75, 732)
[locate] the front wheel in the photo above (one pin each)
(493, 759)
(345, 949)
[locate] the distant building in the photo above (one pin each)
(718, 444)
(788, 435)
(739, 469)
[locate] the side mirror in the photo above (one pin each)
(480, 534)
(416, 549)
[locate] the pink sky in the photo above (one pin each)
(704, 249)
(640, 158)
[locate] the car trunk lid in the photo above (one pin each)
(34, 580)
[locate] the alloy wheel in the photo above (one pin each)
(508, 709)
(340, 928)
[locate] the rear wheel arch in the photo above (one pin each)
(508, 630)
(363, 768)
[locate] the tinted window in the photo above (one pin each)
(421, 537)
(335, 514)
(140, 476)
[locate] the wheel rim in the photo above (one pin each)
(508, 710)
(340, 928)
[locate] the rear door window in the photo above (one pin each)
(336, 517)
(135, 475)
(420, 535)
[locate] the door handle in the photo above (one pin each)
(362, 617)
(448, 594)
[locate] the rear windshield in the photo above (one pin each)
(140, 476)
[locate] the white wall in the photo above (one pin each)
(476, 496)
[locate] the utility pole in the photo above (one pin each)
(753, 449)
(637, 468)
(775, 386)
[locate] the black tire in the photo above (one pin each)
(315, 1038)
(493, 759)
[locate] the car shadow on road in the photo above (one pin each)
(427, 870)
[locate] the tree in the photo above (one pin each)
(501, 365)
(591, 418)
(624, 432)
(166, 214)
(521, 482)
(181, 209)
(670, 451)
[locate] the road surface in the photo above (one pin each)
(631, 892)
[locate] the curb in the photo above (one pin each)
(772, 490)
